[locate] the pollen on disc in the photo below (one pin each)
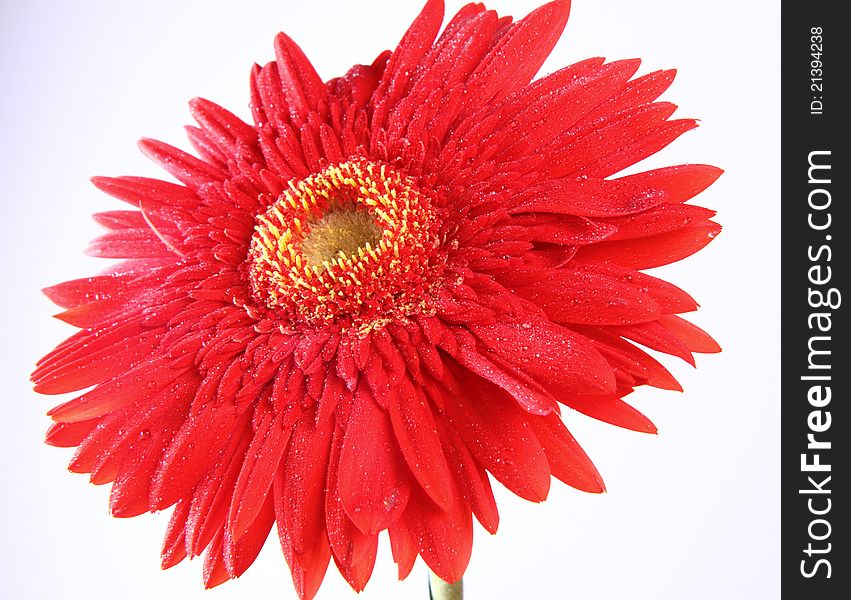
(357, 242)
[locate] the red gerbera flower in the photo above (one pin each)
(354, 310)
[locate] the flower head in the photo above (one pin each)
(353, 312)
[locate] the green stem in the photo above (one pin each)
(440, 590)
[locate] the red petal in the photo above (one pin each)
(416, 433)
(542, 349)
(519, 112)
(268, 106)
(129, 243)
(399, 70)
(100, 441)
(131, 489)
(653, 251)
(135, 189)
(625, 357)
(223, 127)
(588, 197)
(471, 478)
(238, 556)
(659, 219)
(258, 471)
(99, 356)
(174, 548)
(403, 548)
(83, 291)
(430, 105)
(497, 433)
(212, 497)
(444, 538)
(527, 124)
(611, 409)
(354, 551)
(307, 568)
(141, 383)
(374, 481)
(97, 314)
(303, 88)
(565, 230)
(193, 452)
(305, 469)
(528, 394)
(205, 147)
(648, 141)
(680, 183)
(103, 452)
(357, 573)
(641, 90)
(583, 296)
(117, 220)
(184, 167)
(68, 435)
(693, 336)
(215, 572)
(601, 147)
(655, 336)
(670, 298)
(566, 458)
(519, 53)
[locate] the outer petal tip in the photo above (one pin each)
(99, 181)
(559, 9)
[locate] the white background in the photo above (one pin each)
(691, 513)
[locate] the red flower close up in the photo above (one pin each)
(353, 312)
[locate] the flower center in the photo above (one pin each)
(337, 234)
(357, 242)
